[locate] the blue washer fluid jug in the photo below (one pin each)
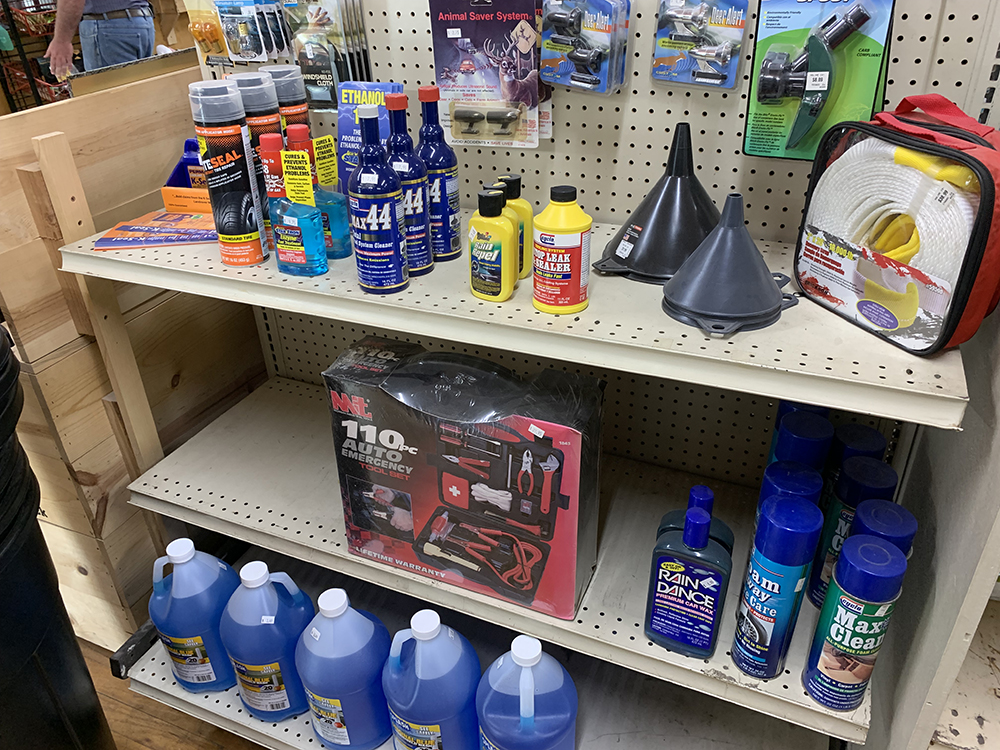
(430, 681)
(340, 658)
(260, 628)
(526, 701)
(186, 607)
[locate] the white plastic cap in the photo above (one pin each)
(367, 111)
(254, 574)
(180, 550)
(333, 602)
(425, 624)
(526, 651)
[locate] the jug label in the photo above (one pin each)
(485, 743)
(261, 686)
(328, 719)
(410, 736)
(189, 659)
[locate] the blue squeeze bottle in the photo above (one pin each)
(260, 627)
(527, 701)
(186, 607)
(378, 227)
(340, 658)
(416, 194)
(188, 172)
(442, 177)
(430, 681)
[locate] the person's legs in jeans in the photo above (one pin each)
(116, 40)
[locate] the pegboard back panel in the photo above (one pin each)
(710, 432)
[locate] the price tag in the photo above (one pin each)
(817, 81)
(298, 177)
(325, 149)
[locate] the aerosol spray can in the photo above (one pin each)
(291, 90)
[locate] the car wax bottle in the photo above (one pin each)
(526, 226)
(186, 607)
(804, 436)
(188, 172)
(861, 478)
(332, 205)
(297, 228)
(378, 227)
(291, 90)
(340, 656)
(442, 179)
(787, 407)
(260, 102)
(852, 624)
(688, 580)
(515, 226)
(790, 479)
(224, 143)
(783, 548)
(416, 194)
(849, 440)
(561, 254)
(886, 520)
(260, 628)
(702, 497)
(491, 245)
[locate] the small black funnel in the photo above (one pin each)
(669, 224)
(725, 287)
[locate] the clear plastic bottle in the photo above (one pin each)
(430, 681)
(527, 701)
(186, 607)
(332, 205)
(260, 628)
(340, 658)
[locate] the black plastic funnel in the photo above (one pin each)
(725, 287)
(669, 224)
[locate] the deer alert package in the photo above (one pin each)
(486, 58)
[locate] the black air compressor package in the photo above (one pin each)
(453, 468)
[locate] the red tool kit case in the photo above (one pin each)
(898, 234)
(456, 469)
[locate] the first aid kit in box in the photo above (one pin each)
(454, 468)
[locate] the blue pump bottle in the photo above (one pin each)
(442, 177)
(416, 194)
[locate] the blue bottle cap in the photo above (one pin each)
(701, 497)
(850, 440)
(790, 478)
(787, 407)
(864, 478)
(788, 530)
(697, 524)
(886, 520)
(870, 568)
(191, 144)
(804, 436)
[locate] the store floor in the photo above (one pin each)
(139, 723)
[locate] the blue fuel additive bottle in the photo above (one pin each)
(378, 226)
(442, 177)
(416, 193)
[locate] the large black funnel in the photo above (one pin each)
(725, 287)
(669, 224)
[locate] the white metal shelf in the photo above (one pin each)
(809, 355)
(265, 472)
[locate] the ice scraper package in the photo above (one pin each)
(453, 468)
(897, 232)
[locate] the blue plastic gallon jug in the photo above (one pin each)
(186, 607)
(526, 701)
(430, 682)
(260, 628)
(340, 658)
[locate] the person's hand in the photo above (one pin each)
(60, 54)
(402, 520)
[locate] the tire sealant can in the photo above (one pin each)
(442, 179)
(291, 90)
(226, 154)
(561, 254)
(378, 226)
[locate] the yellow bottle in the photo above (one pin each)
(515, 224)
(492, 243)
(562, 254)
(526, 215)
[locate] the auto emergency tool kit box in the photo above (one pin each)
(454, 468)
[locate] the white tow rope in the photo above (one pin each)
(861, 192)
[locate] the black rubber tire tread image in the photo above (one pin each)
(235, 214)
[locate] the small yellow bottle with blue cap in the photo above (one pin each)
(492, 243)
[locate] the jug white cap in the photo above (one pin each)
(254, 574)
(425, 624)
(180, 550)
(333, 602)
(526, 651)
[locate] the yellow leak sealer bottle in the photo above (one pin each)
(562, 254)
(515, 227)
(526, 215)
(492, 243)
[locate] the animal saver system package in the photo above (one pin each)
(698, 43)
(453, 468)
(584, 42)
(815, 64)
(486, 58)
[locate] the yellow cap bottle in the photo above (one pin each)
(526, 216)
(562, 254)
(492, 244)
(515, 226)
